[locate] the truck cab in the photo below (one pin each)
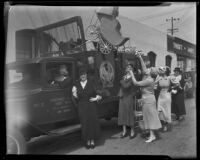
(34, 104)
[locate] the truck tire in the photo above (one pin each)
(15, 143)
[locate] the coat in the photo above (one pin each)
(178, 104)
(126, 103)
(88, 111)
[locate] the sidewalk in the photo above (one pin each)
(179, 143)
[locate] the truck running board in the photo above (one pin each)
(65, 130)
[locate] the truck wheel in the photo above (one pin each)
(15, 143)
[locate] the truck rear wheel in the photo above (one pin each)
(15, 143)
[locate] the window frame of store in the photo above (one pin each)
(183, 50)
(183, 60)
(152, 58)
(168, 61)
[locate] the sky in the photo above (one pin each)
(155, 17)
(31, 17)
(151, 16)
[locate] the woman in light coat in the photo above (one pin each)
(150, 114)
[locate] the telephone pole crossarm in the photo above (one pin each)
(173, 30)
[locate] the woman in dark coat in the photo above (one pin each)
(126, 104)
(178, 104)
(85, 93)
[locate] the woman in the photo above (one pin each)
(178, 104)
(126, 103)
(84, 92)
(150, 114)
(188, 88)
(164, 99)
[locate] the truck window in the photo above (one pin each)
(66, 39)
(25, 74)
(57, 72)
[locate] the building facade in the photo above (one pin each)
(185, 52)
(151, 41)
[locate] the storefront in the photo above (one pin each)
(185, 52)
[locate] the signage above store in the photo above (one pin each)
(180, 47)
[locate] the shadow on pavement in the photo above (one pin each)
(69, 143)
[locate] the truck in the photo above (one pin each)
(34, 106)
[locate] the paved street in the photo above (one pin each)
(180, 142)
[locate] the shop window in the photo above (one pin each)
(168, 60)
(152, 58)
(181, 62)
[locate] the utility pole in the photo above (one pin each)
(173, 30)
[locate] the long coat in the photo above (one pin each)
(178, 104)
(126, 103)
(88, 111)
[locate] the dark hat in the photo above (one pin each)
(82, 71)
(177, 69)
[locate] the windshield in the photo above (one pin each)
(65, 39)
(25, 74)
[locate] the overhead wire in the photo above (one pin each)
(163, 14)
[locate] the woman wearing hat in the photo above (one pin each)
(164, 100)
(178, 104)
(150, 114)
(126, 103)
(85, 93)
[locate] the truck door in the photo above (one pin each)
(57, 98)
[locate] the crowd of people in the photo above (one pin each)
(156, 111)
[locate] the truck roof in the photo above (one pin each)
(37, 60)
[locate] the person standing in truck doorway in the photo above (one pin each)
(63, 79)
(86, 95)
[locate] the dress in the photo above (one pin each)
(88, 111)
(126, 103)
(178, 104)
(164, 99)
(150, 114)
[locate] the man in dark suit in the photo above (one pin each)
(63, 80)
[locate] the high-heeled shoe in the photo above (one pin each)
(181, 118)
(87, 146)
(145, 135)
(133, 136)
(123, 135)
(165, 128)
(92, 146)
(151, 139)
